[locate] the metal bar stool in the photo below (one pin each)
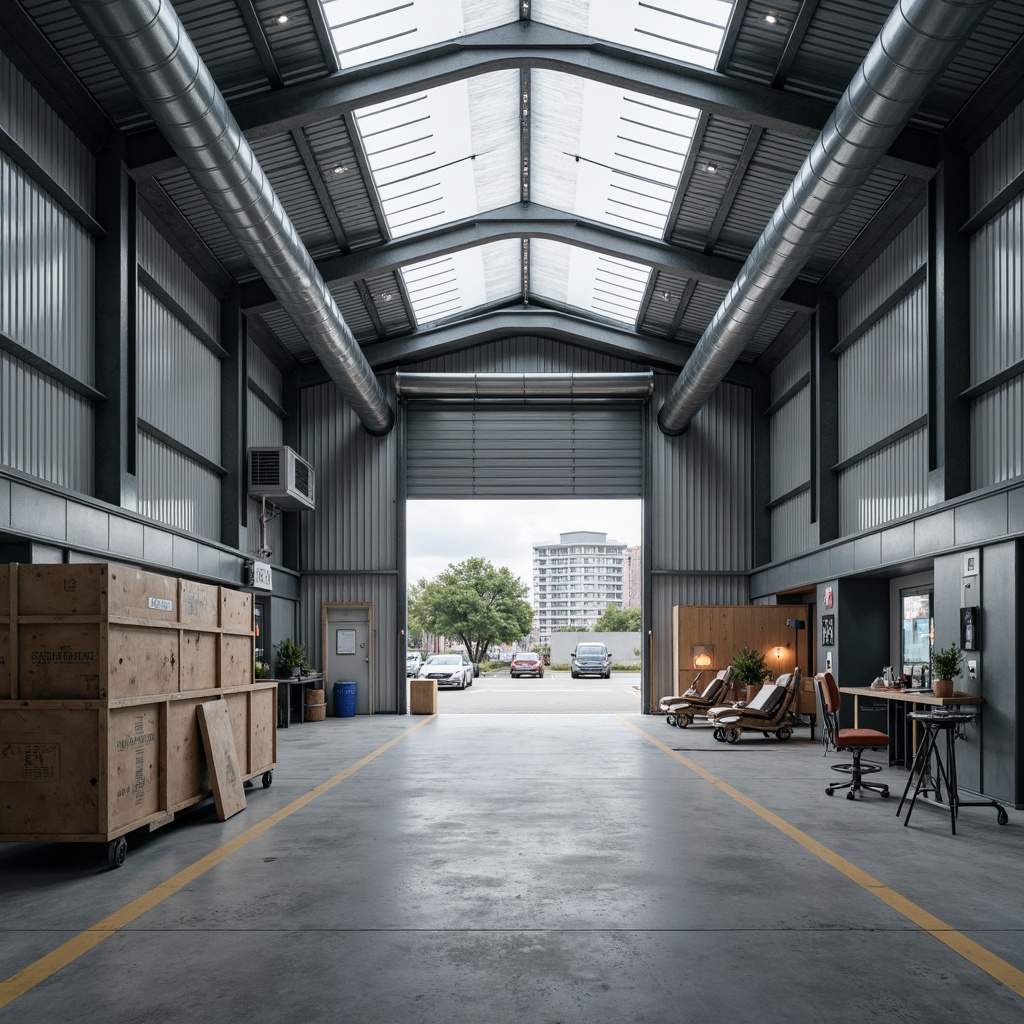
(934, 723)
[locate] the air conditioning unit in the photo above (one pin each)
(282, 476)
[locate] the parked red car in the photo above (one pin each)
(527, 664)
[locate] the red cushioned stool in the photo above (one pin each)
(826, 692)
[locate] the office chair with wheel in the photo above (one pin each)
(856, 741)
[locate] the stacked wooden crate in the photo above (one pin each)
(102, 668)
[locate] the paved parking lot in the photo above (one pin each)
(556, 694)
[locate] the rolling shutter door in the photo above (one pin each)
(484, 450)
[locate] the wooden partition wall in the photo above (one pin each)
(720, 630)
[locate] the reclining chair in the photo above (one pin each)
(769, 712)
(856, 741)
(683, 709)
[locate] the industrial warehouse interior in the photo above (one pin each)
(271, 273)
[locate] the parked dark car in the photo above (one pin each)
(527, 664)
(591, 660)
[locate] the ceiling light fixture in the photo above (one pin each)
(340, 169)
(281, 19)
(772, 18)
(711, 168)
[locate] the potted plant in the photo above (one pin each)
(291, 658)
(947, 663)
(750, 670)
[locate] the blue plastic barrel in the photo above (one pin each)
(345, 699)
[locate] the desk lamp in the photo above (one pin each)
(796, 625)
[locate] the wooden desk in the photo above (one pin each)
(903, 697)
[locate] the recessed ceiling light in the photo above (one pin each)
(385, 296)
(772, 18)
(340, 169)
(711, 168)
(281, 19)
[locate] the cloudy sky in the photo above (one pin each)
(442, 532)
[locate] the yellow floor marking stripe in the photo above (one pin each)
(18, 984)
(977, 954)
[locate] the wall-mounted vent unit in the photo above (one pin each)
(281, 476)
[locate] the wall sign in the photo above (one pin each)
(260, 576)
(828, 630)
(344, 641)
(827, 599)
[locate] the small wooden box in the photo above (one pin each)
(423, 697)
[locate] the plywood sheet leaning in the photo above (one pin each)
(219, 744)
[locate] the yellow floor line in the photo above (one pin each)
(18, 984)
(978, 955)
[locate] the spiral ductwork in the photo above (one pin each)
(914, 48)
(147, 42)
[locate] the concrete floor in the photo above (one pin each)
(529, 868)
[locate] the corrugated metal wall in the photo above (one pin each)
(179, 392)
(997, 308)
(349, 546)
(883, 386)
(264, 374)
(701, 514)
(47, 294)
(176, 490)
(792, 530)
(265, 427)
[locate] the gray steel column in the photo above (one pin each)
(147, 43)
(825, 418)
(234, 404)
(949, 331)
(912, 51)
(761, 485)
(116, 286)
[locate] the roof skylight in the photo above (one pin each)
(685, 30)
(608, 286)
(445, 154)
(605, 154)
(369, 30)
(445, 285)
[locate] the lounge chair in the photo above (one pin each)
(771, 711)
(682, 710)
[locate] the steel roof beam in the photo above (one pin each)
(535, 46)
(530, 221)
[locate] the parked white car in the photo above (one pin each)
(449, 670)
(413, 663)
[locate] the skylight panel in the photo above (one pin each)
(606, 154)
(370, 30)
(608, 286)
(444, 154)
(691, 31)
(444, 286)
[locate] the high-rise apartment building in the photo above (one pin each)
(575, 580)
(632, 577)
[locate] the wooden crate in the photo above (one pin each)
(106, 632)
(423, 697)
(94, 770)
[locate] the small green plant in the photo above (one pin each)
(262, 670)
(947, 663)
(749, 668)
(290, 656)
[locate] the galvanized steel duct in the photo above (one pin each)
(149, 46)
(525, 387)
(916, 44)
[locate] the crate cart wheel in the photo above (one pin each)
(117, 851)
(268, 778)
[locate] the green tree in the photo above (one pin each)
(618, 620)
(475, 602)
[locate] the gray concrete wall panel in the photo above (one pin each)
(47, 276)
(887, 485)
(176, 490)
(981, 520)
(179, 379)
(157, 258)
(34, 126)
(46, 430)
(998, 160)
